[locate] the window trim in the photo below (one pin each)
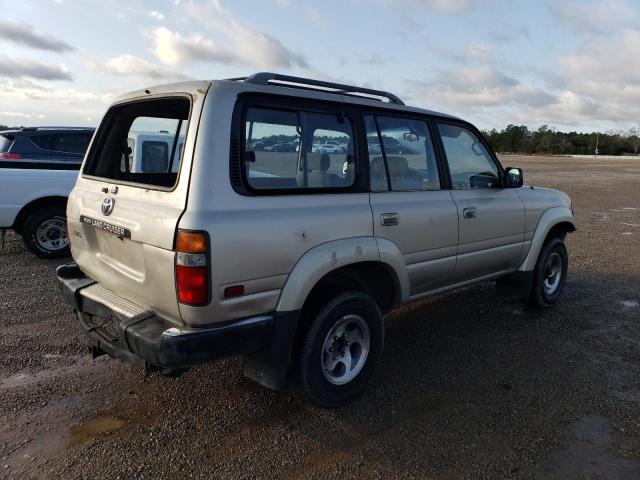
(295, 105)
(100, 135)
(483, 141)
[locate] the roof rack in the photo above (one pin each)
(57, 127)
(265, 78)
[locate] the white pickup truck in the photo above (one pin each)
(33, 203)
(39, 167)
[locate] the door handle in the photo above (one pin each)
(389, 219)
(469, 212)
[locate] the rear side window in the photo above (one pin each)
(63, 142)
(297, 150)
(5, 143)
(141, 142)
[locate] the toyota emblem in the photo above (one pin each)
(107, 205)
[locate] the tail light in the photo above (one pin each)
(192, 269)
(10, 156)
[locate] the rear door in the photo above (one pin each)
(491, 218)
(409, 206)
(122, 220)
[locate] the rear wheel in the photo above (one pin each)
(550, 274)
(45, 233)
(341, 350)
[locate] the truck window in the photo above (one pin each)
(139, 142)
(297, 150)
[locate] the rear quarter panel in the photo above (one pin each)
(255, 240)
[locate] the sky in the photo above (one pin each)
(573, 65)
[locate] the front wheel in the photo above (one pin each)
(341, 350)
(550, 274)
(45, 233)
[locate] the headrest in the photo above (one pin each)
(398, 166)
(377, 167)
(318, 161)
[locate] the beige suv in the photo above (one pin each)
(283, 218)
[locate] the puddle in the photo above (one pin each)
(93, 428)
(602, 215)
(77, 364)
(630, 224)
(587, 455)
(630, 303)
(20, 379)
(626, 233)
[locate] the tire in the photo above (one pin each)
(45, 233)
(354, 321)
(546, 288)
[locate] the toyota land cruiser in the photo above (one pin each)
(213, 239)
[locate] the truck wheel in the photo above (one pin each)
(45, 233)
(341, 350)
(549, 274)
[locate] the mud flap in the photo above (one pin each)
(270, 365)
(516, 284)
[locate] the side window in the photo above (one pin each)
(63, 142)
(73, 143)
(155, 156)
(410, 157)
(377, 169)
(286, 150)
(470, 164)
(46, 142)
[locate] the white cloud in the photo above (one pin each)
(24, 34)
(595, 17)
(442, 6)
(131, 66)
(316, 17)
(478, 87)
(245, 47)
(156, 15)
(21, 115)
(24, 68)
(228, 41)
(479, 50)
(33, 102)
(606, 72)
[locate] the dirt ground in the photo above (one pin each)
(472, 385)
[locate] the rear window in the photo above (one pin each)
(141, 142)
(5, 143)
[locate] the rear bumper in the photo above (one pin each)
(151, 342)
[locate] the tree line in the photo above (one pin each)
(547, 140)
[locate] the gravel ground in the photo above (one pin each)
(472, 385)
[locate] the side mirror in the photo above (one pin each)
(411, 137)
(513, 177)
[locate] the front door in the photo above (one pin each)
(409, 207)
(491, 218)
